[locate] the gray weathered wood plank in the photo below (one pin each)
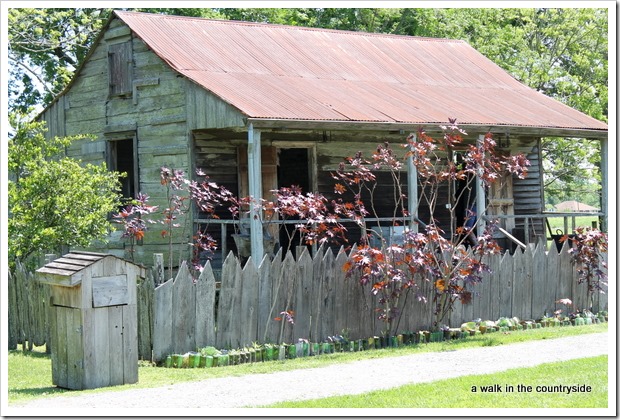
(184, 314)
(286, 300)
(265, 289)
(303, 296)
(518, 285)
(118, 352)
(226, 301)
(527, 283)
(129, 339)
(339, 291)
(75, 354)
(247, 317)
(205, 308)
(162, 324)
(539, 277)
(506, 284)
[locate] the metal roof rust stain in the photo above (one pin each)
(285, 72)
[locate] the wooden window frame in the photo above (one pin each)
(112, 141)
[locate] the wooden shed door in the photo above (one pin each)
(501, 201)
(68, 354)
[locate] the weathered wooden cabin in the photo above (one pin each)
(260, 106)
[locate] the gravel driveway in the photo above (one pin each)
(339, 379)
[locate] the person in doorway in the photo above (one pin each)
(470, 224)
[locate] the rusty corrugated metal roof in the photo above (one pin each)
(295, 73)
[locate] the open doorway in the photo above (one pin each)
(293, 169)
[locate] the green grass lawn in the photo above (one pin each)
(30, 373)
(459, 392)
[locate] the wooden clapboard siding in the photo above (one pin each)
(207, 111)
(54, 117)
(154, 109)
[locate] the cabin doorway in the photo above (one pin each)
(293, 169)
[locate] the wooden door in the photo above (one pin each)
(501, 202)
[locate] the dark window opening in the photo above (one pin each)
(122, 159)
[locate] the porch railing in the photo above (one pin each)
(530, 228)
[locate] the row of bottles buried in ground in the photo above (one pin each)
(337, 344)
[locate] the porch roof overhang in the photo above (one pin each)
(347, 125)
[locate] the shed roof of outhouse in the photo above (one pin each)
(71, 263)
(287, 73)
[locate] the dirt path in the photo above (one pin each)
(349, 378)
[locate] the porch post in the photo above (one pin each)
(255, 187)
(604, 183)
(412, 191)
(480, 198)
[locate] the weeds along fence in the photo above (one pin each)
(184, 314)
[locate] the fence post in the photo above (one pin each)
(13, 315)
(158, 269)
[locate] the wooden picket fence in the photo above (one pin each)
(28, 303)
(184, 314)
(187, 316)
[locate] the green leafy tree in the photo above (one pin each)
(561, 52)
(572, 171)
(53, 200)
(45, 48)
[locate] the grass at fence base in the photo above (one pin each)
(30, 373)
(458, 392)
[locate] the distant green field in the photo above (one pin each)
(558, 222)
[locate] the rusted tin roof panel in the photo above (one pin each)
(284, 72)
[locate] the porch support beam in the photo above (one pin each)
(480, 197)
(255, 188)
(412, 190)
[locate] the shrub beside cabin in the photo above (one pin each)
(231, 97)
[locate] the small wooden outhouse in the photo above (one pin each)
(93, 320)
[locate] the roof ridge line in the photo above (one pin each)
(293, 27)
